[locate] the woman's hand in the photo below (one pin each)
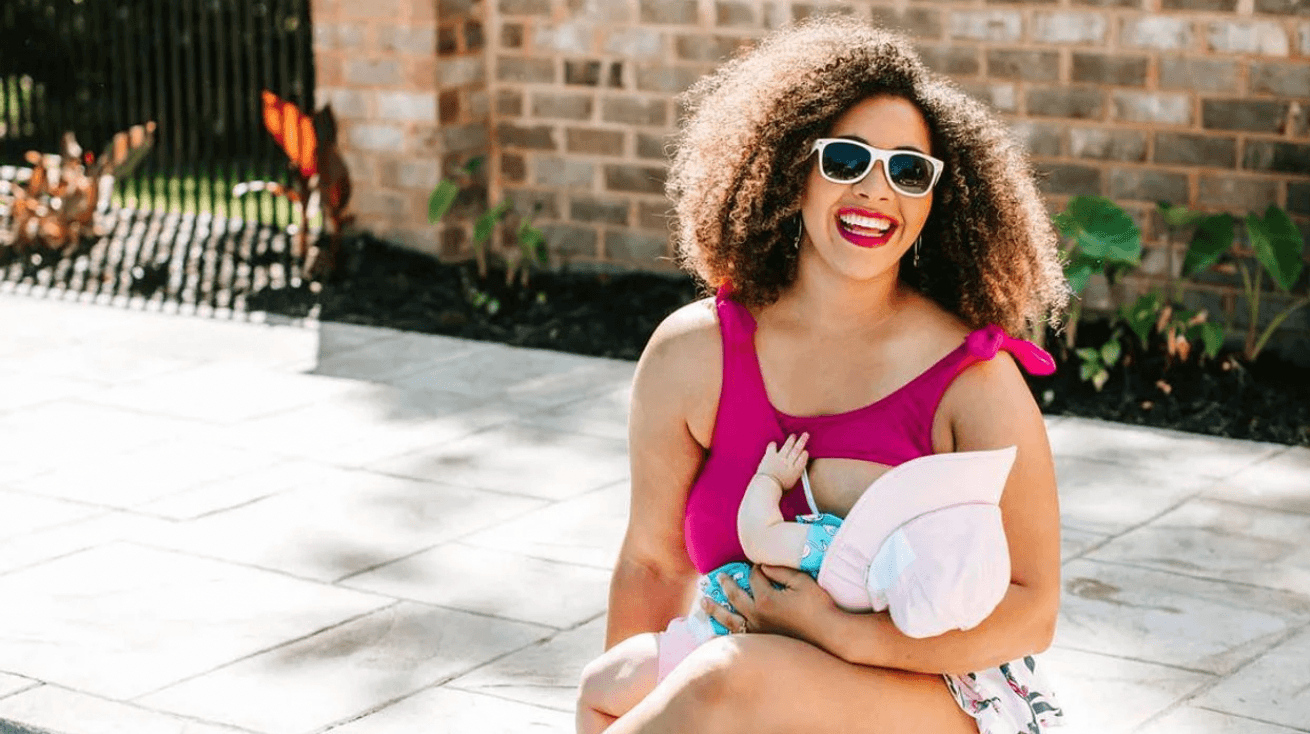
(797, 609)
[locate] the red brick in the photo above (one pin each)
(635, 179)
(635, 111)
(1217, 6)
(1282, 7)
(986, 25)
(598, 210)
(536, 137)
(651, 146)
(1205, 75)
(705, 48)
(570, 239)
(509, 103)
(918, 22)
(524, 7)
(511, 35)
(666, 79)
(1143, 184)
(1277, 156)
(583, 73)
(525, 69)
(1228, 193)
(1287, 80)
(1261, 116)
(1063, 178)
(654, 215)
(735, 14)
(1107, 143)
(566, 106)
(670, 12)
(951, 59)
(1195, 150)
(1041, 66)
(1124, 71)
(513, 167)
(636, 247)
(595, 142)
(1086, 103)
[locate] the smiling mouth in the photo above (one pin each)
(863, 230)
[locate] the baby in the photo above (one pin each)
(924, 542)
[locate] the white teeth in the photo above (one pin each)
(859, 220)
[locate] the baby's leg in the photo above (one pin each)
(616, 681)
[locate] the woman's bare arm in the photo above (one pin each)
(988, 407)
(676, 382)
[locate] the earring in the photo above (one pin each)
(916, 250)
(800, 231)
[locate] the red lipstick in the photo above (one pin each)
(864, 228)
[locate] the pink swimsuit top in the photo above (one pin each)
(889, 431)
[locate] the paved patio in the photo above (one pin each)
(209, 526)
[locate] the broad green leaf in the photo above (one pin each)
(1213, 237)
(1140, 315)
(1110, 352)
(443, 196)
(1099, 379)
(1088, 370)
(1078, 272)
(1277, 243)
(1177, 215)
(1103, 230)
(1089, 354)
(486, 224)
(474, 164)
(1065, 224)
(1211, 335)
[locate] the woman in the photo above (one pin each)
(870, 231)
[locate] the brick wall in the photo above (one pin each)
(376, 63)
(1201, 102)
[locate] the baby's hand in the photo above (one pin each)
(785, 464)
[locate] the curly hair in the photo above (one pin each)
(990, 252)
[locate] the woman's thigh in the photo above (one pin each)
(767, 684)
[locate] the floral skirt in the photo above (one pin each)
(1011, 699)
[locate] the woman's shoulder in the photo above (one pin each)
(682, 366)
(686, 335)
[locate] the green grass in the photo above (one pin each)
(194, 194)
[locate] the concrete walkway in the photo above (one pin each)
(211, 526)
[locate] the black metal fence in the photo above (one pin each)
(194, 67)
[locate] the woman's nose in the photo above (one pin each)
(875, 185)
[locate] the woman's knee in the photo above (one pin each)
(718, 677)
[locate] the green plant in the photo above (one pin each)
(1097, 361)
(1101, 238)
(525, 243)
(1212, 235)
(1277, 245)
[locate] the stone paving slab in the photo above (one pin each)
(297, 527)
(121, 621)
(358, 666)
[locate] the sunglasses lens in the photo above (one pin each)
(844, 162)
(910, 172)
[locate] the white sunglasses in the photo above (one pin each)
(845, 161)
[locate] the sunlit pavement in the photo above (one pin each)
(210, 525)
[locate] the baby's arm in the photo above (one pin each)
(765, 536)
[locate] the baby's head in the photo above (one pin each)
(925, 542)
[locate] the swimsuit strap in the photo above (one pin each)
(809, 493)
(984, 344)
